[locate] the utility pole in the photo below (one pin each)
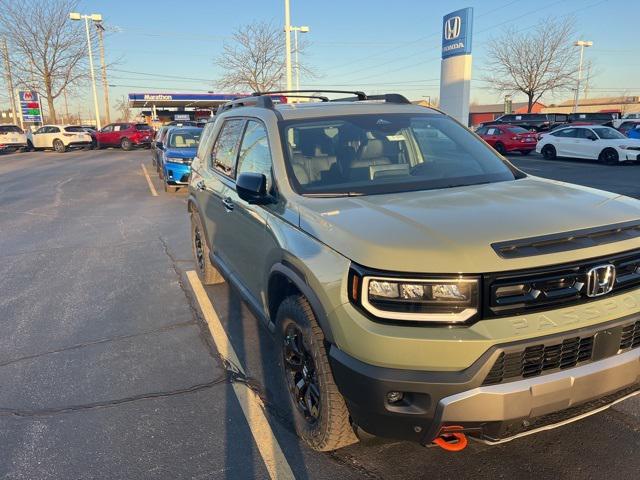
(105, 85)
(10, 92)
(96, 17)
(66, 105)
(581, 44)
(287, 40)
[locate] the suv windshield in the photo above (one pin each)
(607, 133)
(373, 154)
(185, 138)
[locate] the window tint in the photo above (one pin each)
(184, 138)
(517, 130)
(608, 133)
(142, 126)
(10, 129)
(254, 151)
(482, 131)
(386, 153)
(206, 139)
(117, 128)
(53, 130)
(566, 133)
(74, 129)
(108, 128)
(493, 131)
(40, 130)
(586, 133)
(224, 151)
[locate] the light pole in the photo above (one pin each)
(303, 29)
(105, 84)
(96, 17)
(287, 41)
(581, 44)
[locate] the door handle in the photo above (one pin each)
(200, 186)
(228, 203)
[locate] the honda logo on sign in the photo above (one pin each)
(600, 280)
(452, 28)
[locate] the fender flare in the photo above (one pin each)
(192, 205)
(297, 279)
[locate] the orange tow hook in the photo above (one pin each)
(452, 441)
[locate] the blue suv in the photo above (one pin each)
(176, 154)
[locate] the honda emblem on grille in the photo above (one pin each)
(600, 280)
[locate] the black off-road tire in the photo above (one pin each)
(549, 152)
(126, 144)
(207, 273)
(332, 429)
(58, 146)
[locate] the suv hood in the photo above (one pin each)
(181, 152)
(451, 230)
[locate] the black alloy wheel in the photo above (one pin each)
(500, 149)
(301, 375)
(549, 152)
(609, 156)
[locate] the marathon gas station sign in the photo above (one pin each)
(30, 108)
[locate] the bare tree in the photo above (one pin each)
(47, 50)
(122, 106)
(254, 59)
(541, 61)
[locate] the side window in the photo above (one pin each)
(586, 134)
(117, 128)
(40, 130)
(223, 155)
(206, 139)
(493, 131)
(53, 130)
(482, 131)
(567, 133)
(108, 128)
(255, 155)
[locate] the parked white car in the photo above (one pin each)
(60, 138)
(593, 142)
(12, 138)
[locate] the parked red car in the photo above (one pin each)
(125, 135)
(509, 138)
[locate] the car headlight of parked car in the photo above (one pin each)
(438, 300)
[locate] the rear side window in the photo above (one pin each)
(255, 155)
(223, 155)
(10, 129)
(566, 133)
(142, 126)
(74, 129)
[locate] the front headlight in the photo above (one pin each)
(440, 300)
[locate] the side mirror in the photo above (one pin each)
(159, 145)
(252, 188)
(593, 139)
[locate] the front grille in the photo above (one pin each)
(550, 287)
(536, 359)
(630, 336)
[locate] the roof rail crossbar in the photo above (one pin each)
(319, 97)
(251, 101)
(357, 93)
(387, 97)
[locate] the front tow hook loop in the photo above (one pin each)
(452, 441)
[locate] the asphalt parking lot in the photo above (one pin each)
(108, 368)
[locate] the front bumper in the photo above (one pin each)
(177, 173)
(629, 155)
(435, 401)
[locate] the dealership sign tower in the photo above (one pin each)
(455, 71)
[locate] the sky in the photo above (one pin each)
(372, 45)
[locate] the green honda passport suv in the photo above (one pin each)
(417, 283)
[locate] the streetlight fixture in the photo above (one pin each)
(582, 44)
(95, 17)
(302, 29)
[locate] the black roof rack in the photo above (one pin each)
(360, 95)
(264, 100)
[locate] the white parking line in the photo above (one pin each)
(252, 406)
(146, 175)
